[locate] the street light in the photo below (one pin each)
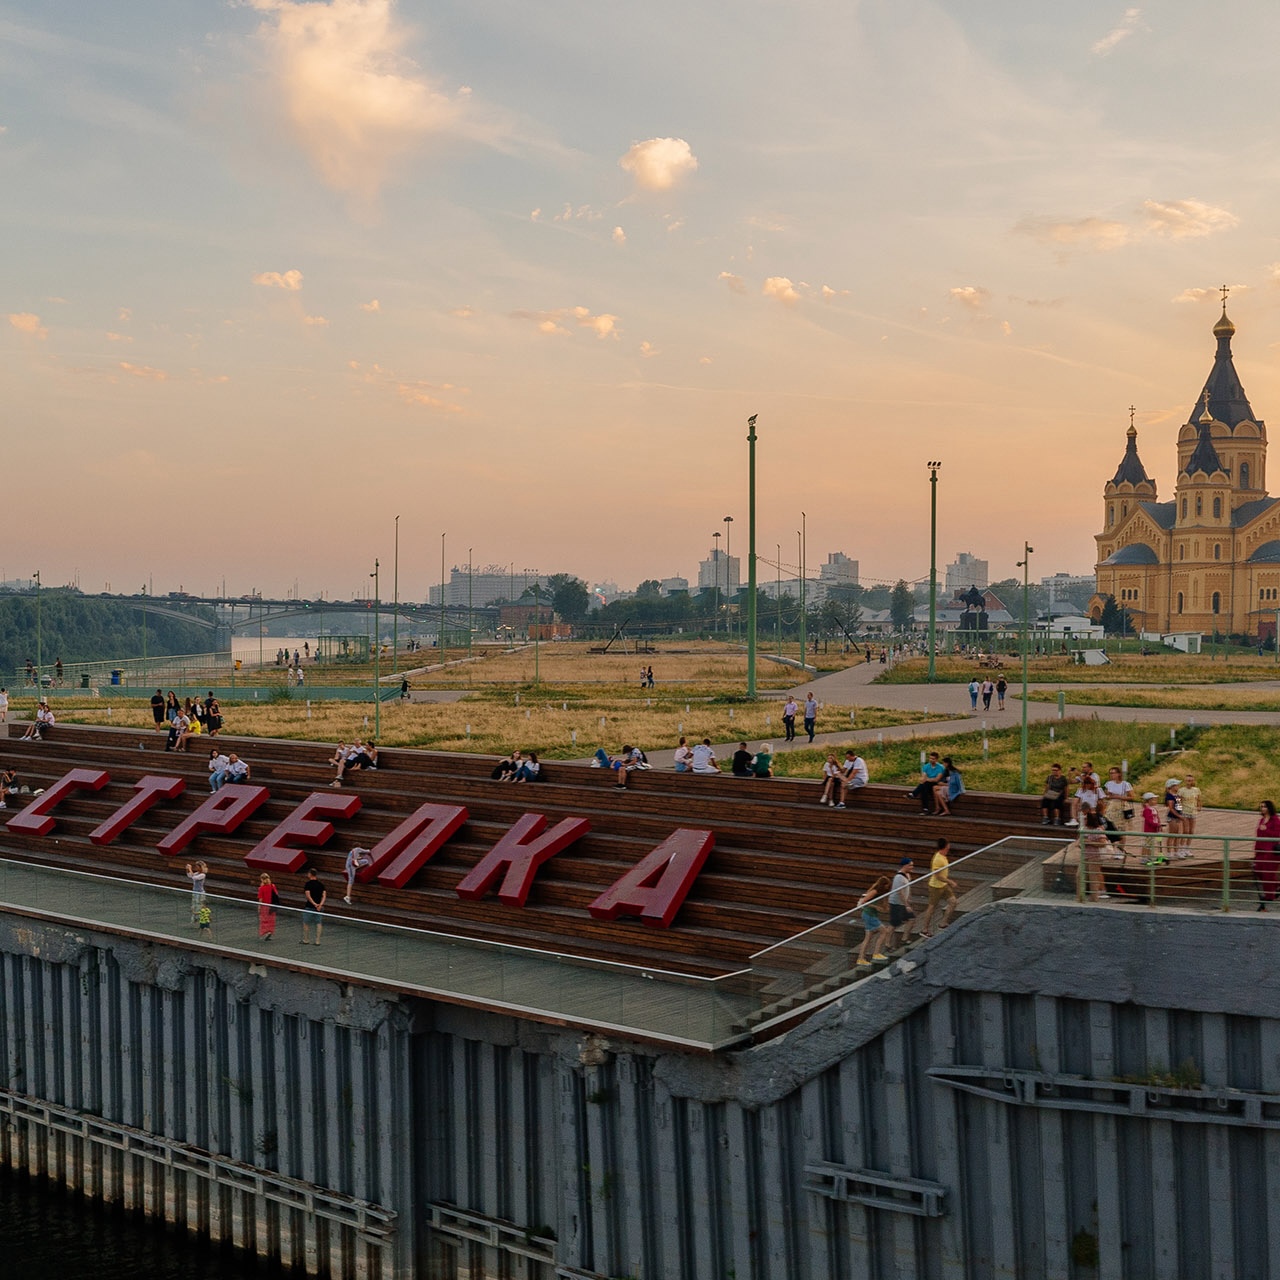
(779, 599)
(1024, 564)
(377, 656)
(715, 565)
(442, 599)
(933, 570)
(470, 622)
(395, 607)
(751, 556)
(804, 539)
(39, 656)
(728, 577)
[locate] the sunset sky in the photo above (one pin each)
(275, 273)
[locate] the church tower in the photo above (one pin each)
(1130, 484)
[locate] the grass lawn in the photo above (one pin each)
(1124, 668)
(1235, 766)
(1221, 699)
(543, 720)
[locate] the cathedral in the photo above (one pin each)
(1207, 560)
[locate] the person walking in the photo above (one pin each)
(1266, 854)
(789, 709)
(987, 690)
(940, 887)
(975, 688)
(314, 897)
(810, 714)
(876, 932)
(1002, 687)
(268, 900)
(901, 915)
(1173, 818)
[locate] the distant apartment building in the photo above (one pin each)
(481, 587)
(839, 571)
(670, 586)
(719, 571)
(1068, 587)
(967, 571)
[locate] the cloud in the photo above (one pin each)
(1199, 295)
(659, 164)
(124, 315)
(1006, 328)
(535, 215)
(704, 359)
(1182, 219)
(736, 283)
(372, 305)
(1130, 23)
(316, 321)
(558, 322)
(648, 350)
(583, 212)
(828, 293)
(973, 296)
(290, 280)
(144, 371)
(462, 313)
(1088, 233)
(619, 236)
(26, 322)
(421, 396)
(355, 103)
(118, 337)
(781, 288)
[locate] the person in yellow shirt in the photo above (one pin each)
(1191, 806)
(940, 887)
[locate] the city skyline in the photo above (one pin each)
(279, 272)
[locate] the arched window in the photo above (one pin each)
(1217, 551)
(1124, 510)
(1182, 553)
(1184, 508)
(1179, 601)
(1244, 475)
(1199, 505)
(1217, 601)
(1111, 514)
(1217, 508)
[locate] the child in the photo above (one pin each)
(876, 932)
(204, 921)
(1150, 830)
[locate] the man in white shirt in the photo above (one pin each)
(704, 759)
(853, 774)
(901, 917)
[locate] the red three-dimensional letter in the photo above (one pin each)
(517, 857)
(656, 886)
(222, 812)
(34, 819)
(308, 825)
(401, 853)
(149, 790)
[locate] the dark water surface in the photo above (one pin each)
(45, 1232)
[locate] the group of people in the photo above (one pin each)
(187, 719)
(646, 677)
(986, 689)
(43, 723)
(841, 777)
(881, 936)
(941, 785)
(518, 767)
(791, 708)
(225, 768)
(352, 758)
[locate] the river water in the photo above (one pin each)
(46, 1232)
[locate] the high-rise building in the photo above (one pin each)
(839, 571)
(719, 570)
(967, 571)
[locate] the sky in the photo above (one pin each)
(273, 273)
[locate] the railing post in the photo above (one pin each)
(1082, 883)
(1151, 885)
(1226, 873)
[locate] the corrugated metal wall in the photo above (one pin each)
(1035, 1095)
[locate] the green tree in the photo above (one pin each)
(1115, 620)
(649, 589)
(569, 596)
(901, 605)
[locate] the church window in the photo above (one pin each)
(1179, 601)
(1182, 552)
(1217, 509)
(1217, 601)
(1217, 552)
(1111, 515)
(1184, 508)
(1244, 475)
(1199, 505)
(1124, 510)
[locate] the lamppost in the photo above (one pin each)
(933, 575)
(715, 565)
(728, 576)
(804, 538)
(377, 657)
(470, 622)
(442, 599)
(39, 655)
(1024, 564)
(537, 628)
(779, 599)
(395, 605)
(751, 556)
(144, 634)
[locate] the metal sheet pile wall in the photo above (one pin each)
(250, 1107)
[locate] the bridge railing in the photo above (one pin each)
(132, 673)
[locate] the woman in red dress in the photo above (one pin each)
(1266, 854)
(268, 897)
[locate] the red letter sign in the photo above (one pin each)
(656, 886)
(222, 813)
(34, 819)
(278, 852)
(150, 790)
(400, 854)
(518, 855)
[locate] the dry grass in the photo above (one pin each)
(1124, 668)
(545, 721)
(1192, 698)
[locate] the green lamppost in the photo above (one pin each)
(39, 656)
(442, 599)
(471, 626)
(804, 532)
(395, 606)
(144, 634)
(1024, 564)
(537, 628)
(751, 557)
(715, 564)
(377, 657)
(728, 577)
(933, 572)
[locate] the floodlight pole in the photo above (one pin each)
(751, 557)
(395, 614)
(715, 563)
(1025, 564)
(39, 654)
(728, 577)
(470, 621)
(377, 657)
(804, 538)
(933, 571)
(441, 643)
